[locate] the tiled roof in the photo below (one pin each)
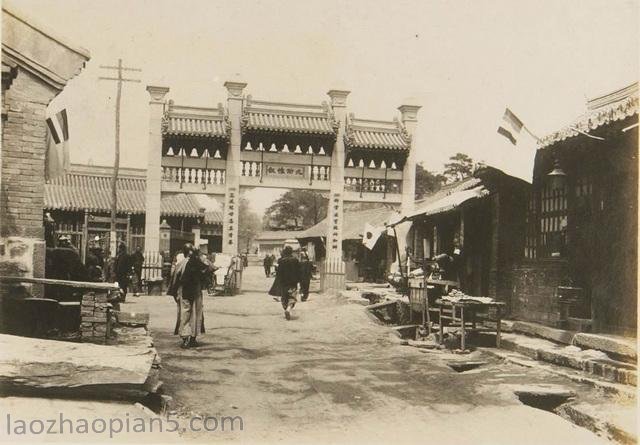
(214, 217)
(87, 187)
(192, 121)
(288, 118)
(602, 110)
(376, 134)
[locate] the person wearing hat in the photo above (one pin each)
(287, 279)
(306, 267)
(185, 286)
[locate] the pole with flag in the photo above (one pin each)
(57, 153)
(519, 163)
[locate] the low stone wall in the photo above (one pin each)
(19, 257)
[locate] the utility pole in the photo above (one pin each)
(116, 164)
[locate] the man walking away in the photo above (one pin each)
(185, 286)
(138, 261)
(306, 267)
(267, 262)
(288, 274)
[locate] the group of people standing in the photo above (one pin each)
(190, 275)
(293, 276)
(124, 268)
(63, 262)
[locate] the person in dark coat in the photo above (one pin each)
(64, 263)
(137, 260)
(286, 282)
(185, 286)
(306, 267)
(267, 263)
(123, 270)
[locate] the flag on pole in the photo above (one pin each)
(517, 163)
(57, 151)
(511, 126)
(371, 235)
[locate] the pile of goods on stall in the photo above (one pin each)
(457, 296)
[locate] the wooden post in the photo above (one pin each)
(116, 163)
(206, 167)
(384, 194)
(498, 326)
(128, 237)
(311, 171)
(441, 325)
(85, 236)
(462, 345)
(362, 177)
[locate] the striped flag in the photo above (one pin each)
(518, 163)
(57, 154)
(511, 126)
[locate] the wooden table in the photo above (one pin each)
(447, 311)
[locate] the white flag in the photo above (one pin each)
(371, 235)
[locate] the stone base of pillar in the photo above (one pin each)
(332, 275)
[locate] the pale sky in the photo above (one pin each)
(463, 61)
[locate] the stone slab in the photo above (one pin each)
(542, 331)
(40, 365)
(617, 346)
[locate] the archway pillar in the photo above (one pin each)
(333, 273)
(154, 167)
(232, 193)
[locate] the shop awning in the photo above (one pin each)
(445, 204)
(353, 224)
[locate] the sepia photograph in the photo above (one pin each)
(319, 222)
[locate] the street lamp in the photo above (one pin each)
(557, 176)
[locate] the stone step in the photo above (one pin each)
(617, 391)
(616, 422)
(618, 348)
(406, 331)
(593, 362)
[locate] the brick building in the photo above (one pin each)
(36, 65)
(582, 221)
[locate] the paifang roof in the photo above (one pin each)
(615, 106)
(192, 121)
(386, 135)
(87, 187)
(288, 118)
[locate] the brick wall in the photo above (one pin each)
(23, 155)
(22, 245)
(534, 291)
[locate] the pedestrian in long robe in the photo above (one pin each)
(186, 288)
(306, 267)
(286, 281)
(137, 260)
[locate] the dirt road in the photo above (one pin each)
(332, 375)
